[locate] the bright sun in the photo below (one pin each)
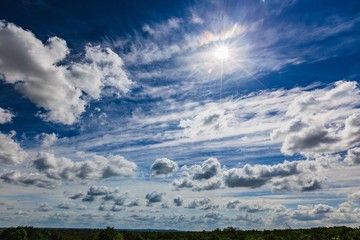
(221, 53)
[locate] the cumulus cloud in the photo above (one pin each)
(208, 169)
(76, 196)
(18, 178)
(201, 177)
(154, 197)
(211, 184)
(44, 207)
(164, 166)
(47, 140)
(314, 212)
(322, 121)
(106, 194)
(353, 156)
(65, 205)
(99, 167)
(301, 175)
(248, 218)
(203, 204)
(183, 183)
(133, 203)
(289, 175)
(5, 116)
(355, 196)
(33, 67)
(178, 201)
(101, 67)
(10, 151)
(254, 176)
(303, 182)
(232, 204)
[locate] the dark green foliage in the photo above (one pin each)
(229, 233)
(110, 234)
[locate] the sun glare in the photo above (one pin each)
(222, 52)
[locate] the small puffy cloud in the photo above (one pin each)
(33, 67)
(303, 182)
(10, 151)
(354, 196)
(353, 156)
(47, 140)
(45, 207)
(81, 207)
(154, 197)
(105, 194)
(232, 204)
(203, 204)
(100, 191)
(315, 212)
(211, 184)
(248, 218)
(5, 116)
(22, 179)
(116, 208)
(201, 177)
(65, 205)
(99, 168)
(76, 196)
(208, 169)
(164, 166)
(254, 207)
(102, 207)
(178, 201)
(134, 203)
(184, 182)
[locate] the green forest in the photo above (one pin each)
(31, 233)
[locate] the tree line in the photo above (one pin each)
(229, 233)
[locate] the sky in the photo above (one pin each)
(186, 115)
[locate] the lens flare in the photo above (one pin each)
(222, 53)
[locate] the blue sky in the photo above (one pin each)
(123, 114)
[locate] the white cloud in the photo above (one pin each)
(301, 175)
(211, 121)
(354, 196)
(208, 169)
(47, 140)
(10, 151)
(322, 121)
(33, 68)
(353, 156)
(155, 197)
(178, 201)
(201, 177)
(18, 178)
(44, 207)
(203, 204)
(314, 212)
(99, 167)
(101, 67)
(5, 116)
(164, 166)
(65, 205)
